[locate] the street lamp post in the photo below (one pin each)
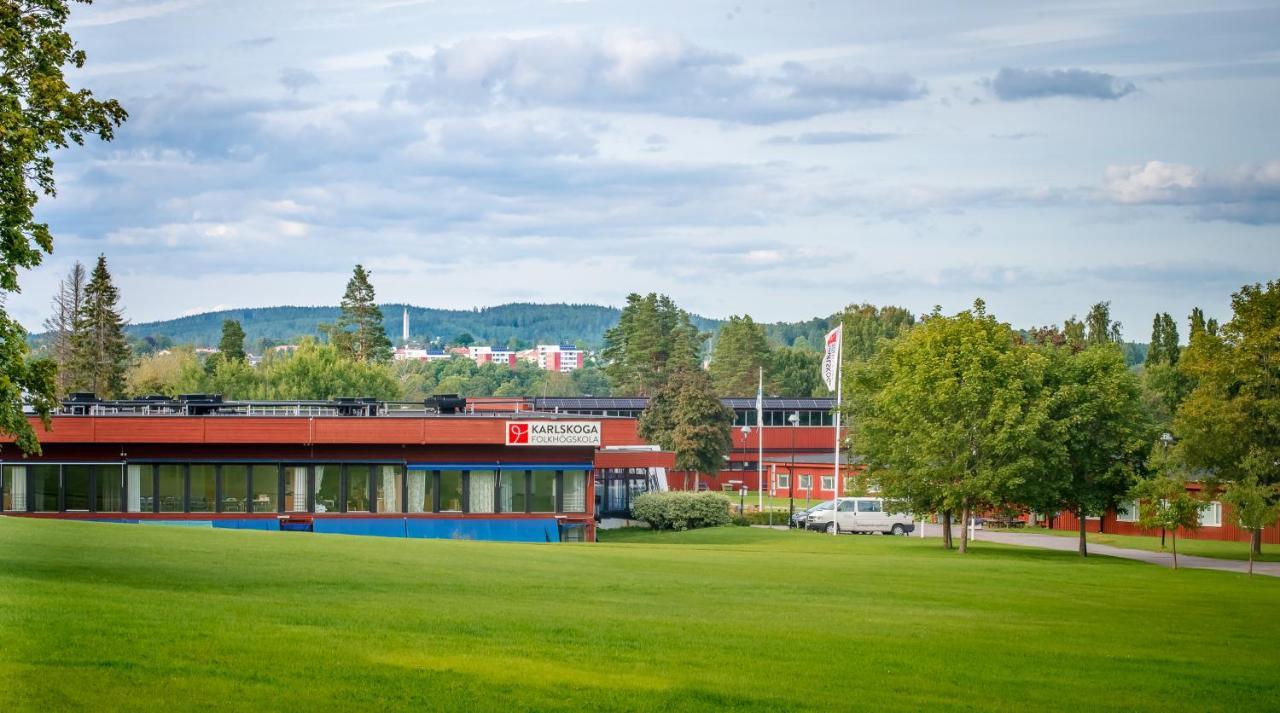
(793, 419)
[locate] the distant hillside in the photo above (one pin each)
(517, 323)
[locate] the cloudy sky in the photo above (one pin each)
(781, 158)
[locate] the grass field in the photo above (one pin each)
(114, 617)
(1200, 548)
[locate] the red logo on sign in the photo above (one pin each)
(517, 434)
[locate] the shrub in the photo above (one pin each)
(681, 510)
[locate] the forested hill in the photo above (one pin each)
(517, 324)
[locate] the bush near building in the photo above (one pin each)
(681, 510)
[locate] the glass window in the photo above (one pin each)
(387, 481)
(542, 491)
(869, 506)
(573, 532)
(107, 494)
(450, 491)
(575, 491)
(419, 496)
(828, 482)
(845, 506)
(235, 488)
(169, 487)
(328, 488)
(295, 488)
(806, 482)
(358, 488)
(784, 480)
(1211, 515)
(44, 487)
(264, 495)
(75, 486)
(14, 485)
(480, 490)
(511, 494)
(615, 495)
(1127, 511)
(203, 493)
(140, 488)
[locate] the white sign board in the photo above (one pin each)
(553, 433)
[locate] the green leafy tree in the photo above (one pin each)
(951, 417)
(100, 353)
(1233, 412)
(868, 328)
(794, 372)
(1100, 329)
(359, 333)
(316, 371)
(1254, 504)
(686, 416)
(40, 114)
(170, 374)
(1164, 502)
(741, 350)
(1100, 423)
(463, 340)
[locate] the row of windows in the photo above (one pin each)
(1210, 514)
(747, 417)
(286, 488)
(805, 482)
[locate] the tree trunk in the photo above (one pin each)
(1251, 557)
(1174, 540)
(964, 530)
(1255, 545)
(946, 529)
(1084, 547)
(686, 480)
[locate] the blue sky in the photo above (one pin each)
(776, 158)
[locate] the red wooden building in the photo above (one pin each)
(1215, 523)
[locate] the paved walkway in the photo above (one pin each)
(1069, 544)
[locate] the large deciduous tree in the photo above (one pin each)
(359, 333)
(1102, 428)
(1233, 413)
(100, 353)
(40, 113)
(951, 417)
(741, 351)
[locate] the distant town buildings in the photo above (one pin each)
(495, 355)
(559, 357)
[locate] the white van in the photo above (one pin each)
(862, 515)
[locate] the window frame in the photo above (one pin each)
(1214, 507)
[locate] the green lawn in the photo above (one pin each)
(774, 501)
(122, 617)
(1201, 548)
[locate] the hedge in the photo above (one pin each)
(681, 510)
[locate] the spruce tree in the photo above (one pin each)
(359, 333)
(99, 354)
(741, 350)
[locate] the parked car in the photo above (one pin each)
(862, 515)
(800, 518)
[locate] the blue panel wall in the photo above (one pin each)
(532, 530)
(378, 527)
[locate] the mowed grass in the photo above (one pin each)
(122, 617)
(1220, 549)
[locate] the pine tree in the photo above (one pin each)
(100, 354)
(653, 337)
(231, 347)
(67, 305)
(741, 350)
(359, 333)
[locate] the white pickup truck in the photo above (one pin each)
(862, 515)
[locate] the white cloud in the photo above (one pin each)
(1151, 182)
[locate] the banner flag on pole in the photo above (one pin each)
(831, 356)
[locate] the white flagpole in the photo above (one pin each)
(835, 479)
(760, 441)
